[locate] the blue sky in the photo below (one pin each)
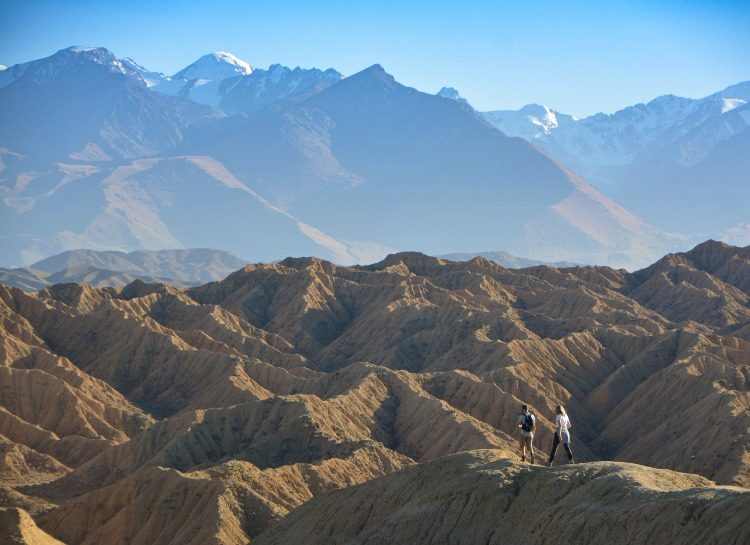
(578, 57)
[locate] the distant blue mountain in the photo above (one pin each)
(290, 162)
(680, 163)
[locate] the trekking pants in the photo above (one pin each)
(526, 440)
(556, 443)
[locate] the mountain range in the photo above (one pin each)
(154, 390)
(222, 80)
(100, 153)
(117, 269)
(306, 401)
(691, 153)
(182, 268)
(507, 260)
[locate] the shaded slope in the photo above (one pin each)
(18, 528)
(190, 265)
(435, 171)
(140, 205)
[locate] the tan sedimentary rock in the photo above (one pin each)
(478, 497)
(21, 465)
(288, 380)
(378, 407)
(226, 504)
(53, 416)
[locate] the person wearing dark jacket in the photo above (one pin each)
(526, 424)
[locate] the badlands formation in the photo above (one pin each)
(303, 402)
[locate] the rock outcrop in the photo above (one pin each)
(480, 497)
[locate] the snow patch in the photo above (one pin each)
(729, 104)
(150, 78)
(231, 59)
(81, 48)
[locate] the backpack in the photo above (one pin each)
(528, 422)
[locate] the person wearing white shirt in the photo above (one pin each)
(562, 435)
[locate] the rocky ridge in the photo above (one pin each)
(479, 497)
(123, 412)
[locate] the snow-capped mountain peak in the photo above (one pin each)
(541, 116)
(622, 137)
(227, 57)
(44, 70)
(98, 55)
(215, 66)
(531, 121)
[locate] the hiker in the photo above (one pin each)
(526, 423)
(562, 425)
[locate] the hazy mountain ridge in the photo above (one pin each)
(507, 260)
(32, 280)
(263, 88)
(665, 151)
(417, 143)
(192, 265)
(263, 400)
(118, 269)
(178, 267)
(307, 168)
(626, 135)
(142, 205)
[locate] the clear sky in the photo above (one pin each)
(578, 57)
